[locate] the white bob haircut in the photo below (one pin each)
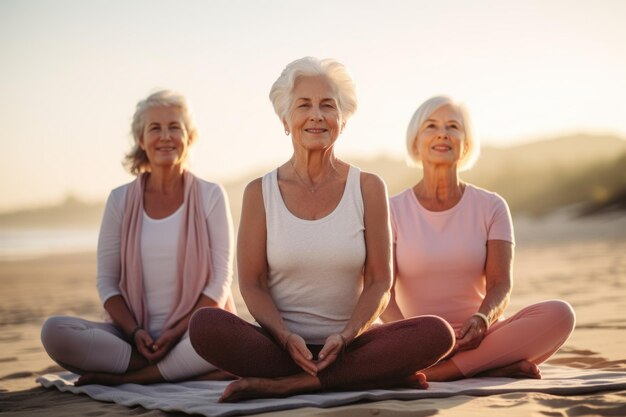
(136, 161)
(281, 93)
(471, 151)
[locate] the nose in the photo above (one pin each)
(316, 114)
(443, 132)
(165, 134)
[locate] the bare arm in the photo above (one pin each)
(392, 312)
(499, 284)
(499, 279)
(120, 313)
(377, 271)
(253, 275)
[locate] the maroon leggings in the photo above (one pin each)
(381, 356)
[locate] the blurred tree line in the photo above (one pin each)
(535, 179)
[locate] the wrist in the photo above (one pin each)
(347, 336)
(286, 340)
(483, 318)
(136, 330)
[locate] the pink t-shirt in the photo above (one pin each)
(440, 256)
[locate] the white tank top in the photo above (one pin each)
(315, 266)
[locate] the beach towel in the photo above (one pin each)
(200, 397)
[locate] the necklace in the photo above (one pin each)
(312, 190)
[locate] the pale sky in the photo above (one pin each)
(71, 73)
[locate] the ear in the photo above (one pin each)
(343, 126)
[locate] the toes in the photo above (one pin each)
(418, 381)
(84, 380)
(421, 379)
(233, 391)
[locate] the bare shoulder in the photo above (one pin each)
(254, 189)
(373, 186)
(252, 203)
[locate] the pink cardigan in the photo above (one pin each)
(194, 259)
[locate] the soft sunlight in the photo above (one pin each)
(72, 72)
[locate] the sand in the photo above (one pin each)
(555, 258)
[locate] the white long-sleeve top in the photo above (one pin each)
(159, 243)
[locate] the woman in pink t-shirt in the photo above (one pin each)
(453, 247)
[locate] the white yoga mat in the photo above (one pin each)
(201, 397)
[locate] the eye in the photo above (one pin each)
(454, 126)
(303, 105)
(328, 105)
(154, 128)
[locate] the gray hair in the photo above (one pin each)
(423, 112)
(281, 94)
(136, 161)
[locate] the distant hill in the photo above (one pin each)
(72, 212)
(534, 178)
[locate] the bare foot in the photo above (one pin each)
(248, 388)
(521, 369)
(99, 378)
(417, 381)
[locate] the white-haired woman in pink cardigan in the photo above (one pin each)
(155, 264)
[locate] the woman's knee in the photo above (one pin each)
(561, 312)
(437, 332)
(208, 325)
(56, 333)
(443, 332)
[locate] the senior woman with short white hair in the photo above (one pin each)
(453, 257)
(314, 261)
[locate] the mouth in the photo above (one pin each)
(166, 149)
(441, 148)
(315, 130)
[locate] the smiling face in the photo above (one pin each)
(314, 118)
(441, 138)
(164, 137)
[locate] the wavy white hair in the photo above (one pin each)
(281, 93)
(423, 112)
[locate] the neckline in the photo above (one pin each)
(321, 219)
(162, 219)
(443, 212)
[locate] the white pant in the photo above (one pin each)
(85, 346)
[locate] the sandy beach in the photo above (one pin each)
(581, 261)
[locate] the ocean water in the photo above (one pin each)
(20, 244)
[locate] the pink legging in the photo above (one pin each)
(383, 354)
(534, 333)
